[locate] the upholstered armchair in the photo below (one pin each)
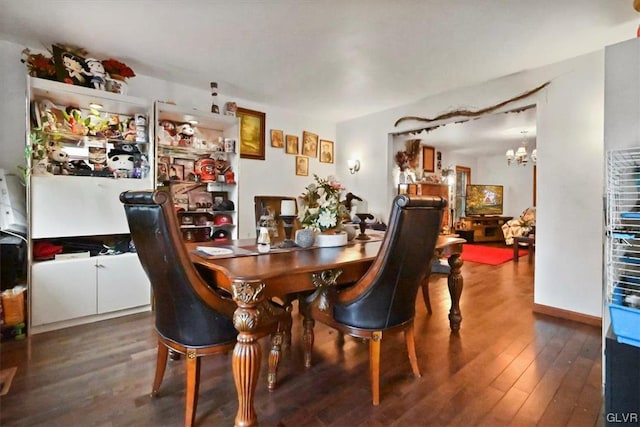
(192, 317)
(383, 300)
(521, 226)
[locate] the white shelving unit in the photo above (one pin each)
(67, 292)
(211, 131)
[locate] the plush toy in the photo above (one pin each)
(184, 135)
(58, 161)
(96, 72)
(120, 161)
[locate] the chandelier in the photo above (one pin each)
(520, 155)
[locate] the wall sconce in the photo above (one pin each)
(354, 166)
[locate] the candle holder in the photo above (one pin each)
(287, 221)
(363, 225)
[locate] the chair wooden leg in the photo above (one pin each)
(425, 295)
(161, 365)
(409, 336)
(193, 384)
(274, 359)
(374, 366)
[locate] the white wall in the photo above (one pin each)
(516, 180)
(570, 149)
(275, 176)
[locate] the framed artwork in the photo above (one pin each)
(277, 138)
(292, 144)
(251, 133)
(302, 166)
(70, 68)
(189, 168)
(200, 200)
(309, 144)
(176, 172)
(326, 151)
(219, 197)
(428, 157)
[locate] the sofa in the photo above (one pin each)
(521, 226)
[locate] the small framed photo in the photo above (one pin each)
(309, 144)
(189, 166)
(219, 197)
(428, 157)
(326, 151)
(292, 144)
(302, 166)
(176, 172)
(200, 200)
(277, 138)
(163, 172)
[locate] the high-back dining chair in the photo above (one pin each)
(383, 299)
(191, 317)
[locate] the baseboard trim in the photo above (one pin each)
(569, 315)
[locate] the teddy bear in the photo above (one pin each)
(184, 135)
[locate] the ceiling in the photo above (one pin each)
(328, 59)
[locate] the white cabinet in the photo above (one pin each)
(64, 290)
(197, 152)
(79, 205)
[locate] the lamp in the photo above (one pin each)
(354, 166)
(520, 155)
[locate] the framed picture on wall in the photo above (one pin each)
(292, 144)
(252, 124)
(326, 151)
(302, 166)
(428, 159)
(309, 144)
(277, 138)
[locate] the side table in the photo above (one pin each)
(531, 240)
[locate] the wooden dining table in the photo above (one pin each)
(251, 278)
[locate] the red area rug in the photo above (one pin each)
(488, 254)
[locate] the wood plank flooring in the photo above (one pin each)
(507, 366)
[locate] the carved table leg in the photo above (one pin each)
(455, 283)
(307, 331)
(246, 354)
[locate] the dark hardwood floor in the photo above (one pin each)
(507, 366)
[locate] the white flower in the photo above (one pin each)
(327, 219)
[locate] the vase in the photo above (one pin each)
(305, 237)
(324, 240)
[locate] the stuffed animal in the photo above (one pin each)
(58, 161)
(96, 72)
(184, 135)
(120, 161)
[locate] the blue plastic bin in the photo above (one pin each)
(626, 323)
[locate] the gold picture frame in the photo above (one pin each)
(326, 151)
(309, 144)
(292, 144)
(252, 141)
(302, 166)
(277, 138)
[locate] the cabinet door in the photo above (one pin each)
(64, 206)
(122, 283)
(62, 290)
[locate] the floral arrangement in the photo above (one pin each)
(409, 157)
(321, 207)
(115, 67)
(39, 65)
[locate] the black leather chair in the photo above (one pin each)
(191, 317)
(383, 299)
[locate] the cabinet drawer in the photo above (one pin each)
(62, 290)
(63, 206)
